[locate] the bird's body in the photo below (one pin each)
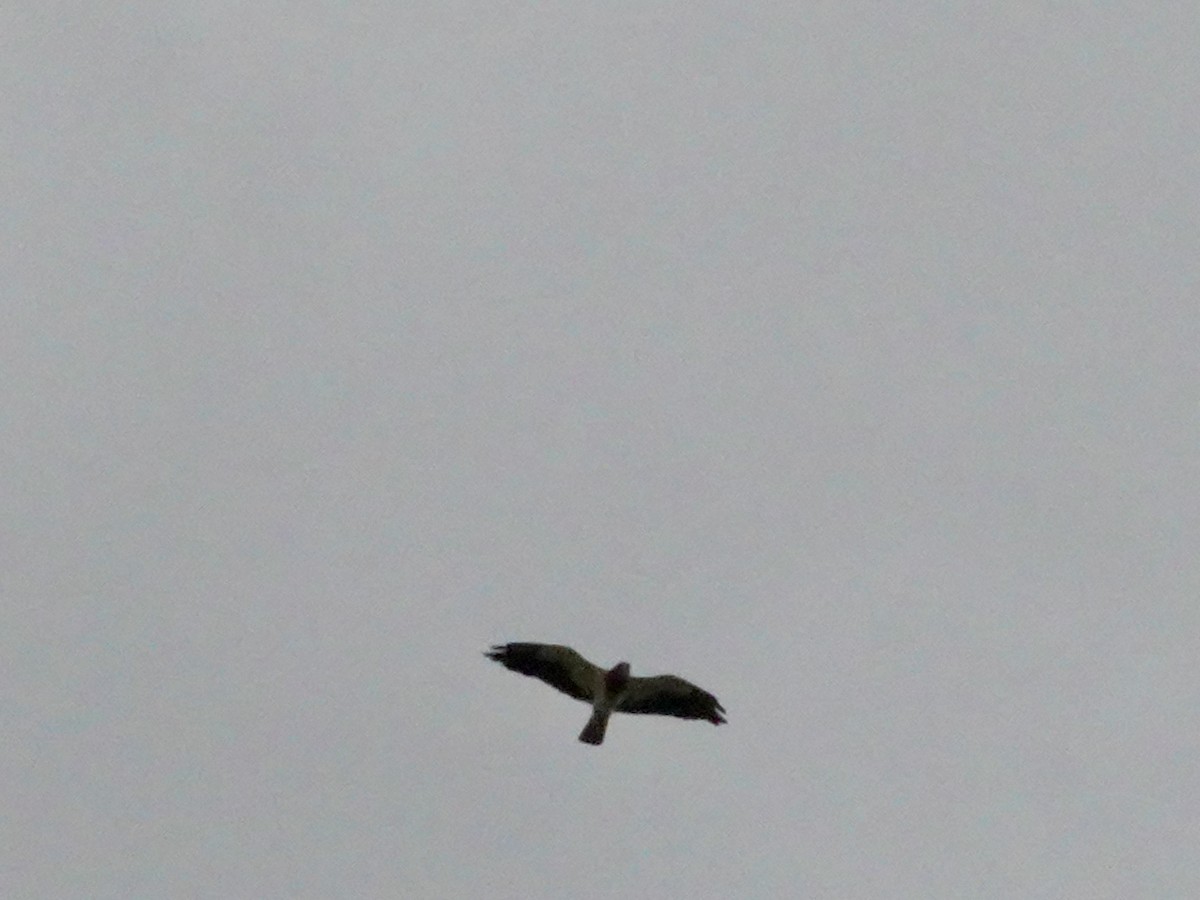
(607, 690)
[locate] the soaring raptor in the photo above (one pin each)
(608, 691)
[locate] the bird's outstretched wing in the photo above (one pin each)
(558, 666)
(669, 695)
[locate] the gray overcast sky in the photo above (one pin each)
(841, 357)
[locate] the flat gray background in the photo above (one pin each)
(842, 357)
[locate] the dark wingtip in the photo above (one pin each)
(496, 652)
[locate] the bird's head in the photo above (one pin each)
(617, 677)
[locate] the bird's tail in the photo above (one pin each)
(593, 731)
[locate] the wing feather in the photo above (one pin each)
(670, 695)
(558, 666)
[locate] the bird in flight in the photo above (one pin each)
(608, 691)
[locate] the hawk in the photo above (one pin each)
(608, 691)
